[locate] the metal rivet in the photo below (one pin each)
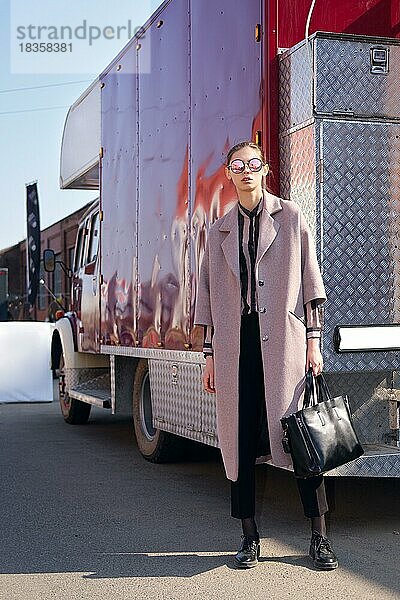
(261, 283)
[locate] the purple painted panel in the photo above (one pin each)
(226, 107)
(163, 261)
(118, 202)
(149, 129)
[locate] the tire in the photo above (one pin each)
(74, 411)
(154, 445)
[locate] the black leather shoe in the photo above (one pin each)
(321, 553)
(248, 553)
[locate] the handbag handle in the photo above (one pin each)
(322, 389)
(310, 393)
(316, 389)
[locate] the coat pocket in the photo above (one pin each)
(301, 319)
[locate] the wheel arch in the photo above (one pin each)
(163, 446)
(56, 350)
(64, 342)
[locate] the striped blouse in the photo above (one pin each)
(249, 222)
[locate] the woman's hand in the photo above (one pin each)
(314, 356)
(208, 375)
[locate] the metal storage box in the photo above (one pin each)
(335, 75)
(340, 160)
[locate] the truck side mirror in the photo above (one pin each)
(49, 260)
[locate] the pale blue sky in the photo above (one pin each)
(30, 138)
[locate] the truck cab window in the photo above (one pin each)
(78, 251)
(94, 238)
(57, 278)
(85, 235)
(71, 253)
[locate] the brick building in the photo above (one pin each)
(60, 237)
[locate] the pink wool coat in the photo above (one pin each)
(287, 276)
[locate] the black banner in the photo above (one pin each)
(33, 245)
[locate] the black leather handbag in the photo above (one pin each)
(320, 436)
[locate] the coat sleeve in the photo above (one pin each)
(208, 338)
(203, 314)
(312, 311)
(313, 286)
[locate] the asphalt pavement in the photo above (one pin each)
(84, 516)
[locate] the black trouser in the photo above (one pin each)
(253, 431)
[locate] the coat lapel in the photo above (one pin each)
(230, 245)
(269, 228)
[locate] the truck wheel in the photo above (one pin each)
(74, 411)
(155, 445)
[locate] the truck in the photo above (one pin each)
(315, 84)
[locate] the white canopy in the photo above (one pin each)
(80, 147)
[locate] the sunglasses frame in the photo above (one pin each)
(246, 162)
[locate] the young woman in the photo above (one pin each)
(258, 296)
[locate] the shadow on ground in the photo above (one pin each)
(82, 499)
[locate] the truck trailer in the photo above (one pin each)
(316, 85)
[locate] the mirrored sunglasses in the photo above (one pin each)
(238, 165)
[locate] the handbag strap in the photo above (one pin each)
(323, 392)
(310, 393)
(316, 389)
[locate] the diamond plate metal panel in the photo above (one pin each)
(360, 205)
(295, 87)
(87, 378)
(180, 405)
(298, 171)
(351, 200)
(344, 82)
(209, 418)
(345, 175)
(99, 383)
(155, 353)
(378, 461)
(369, 402)
(331, 75)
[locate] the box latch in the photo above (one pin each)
(379, 58)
